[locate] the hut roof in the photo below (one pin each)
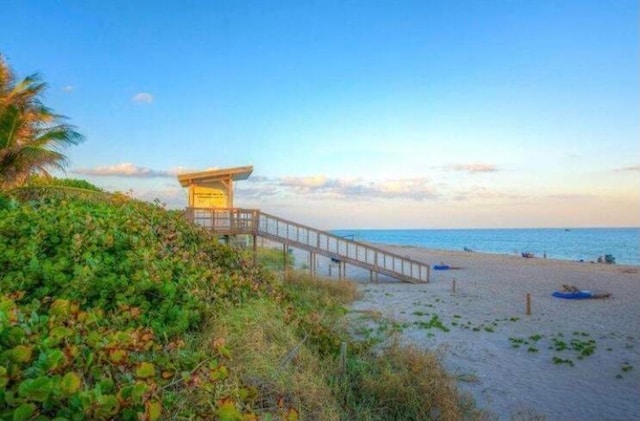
(212, 176)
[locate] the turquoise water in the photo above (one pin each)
(573, 244)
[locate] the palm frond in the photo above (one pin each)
(32, 136)
(58, 137)
(9, 117)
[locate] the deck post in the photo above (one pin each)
(284, 258)
(255, 248)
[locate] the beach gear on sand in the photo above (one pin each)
(572, 293)
(441, 267)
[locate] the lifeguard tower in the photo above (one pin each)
(211, 205)
(214, 188)
(210, 197)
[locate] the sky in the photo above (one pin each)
(354, 114)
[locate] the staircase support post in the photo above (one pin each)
(311, 264)
(255, 249)
(284, 258)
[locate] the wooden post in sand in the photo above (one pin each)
(312, 264)
(528, 304)
(284, 258)
(453, 286)
(342, 362)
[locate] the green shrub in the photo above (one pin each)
(98, 302)
(40, 181)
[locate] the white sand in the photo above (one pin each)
(490, 295)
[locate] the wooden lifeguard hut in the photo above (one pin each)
(213, 189)
(210, 198)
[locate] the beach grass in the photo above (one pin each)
(288, 357)
(272, 258)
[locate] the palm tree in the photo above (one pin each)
(32, 136)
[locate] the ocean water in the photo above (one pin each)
(585, 244)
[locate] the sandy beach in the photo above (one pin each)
(568, 360)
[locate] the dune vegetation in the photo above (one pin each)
(111, 308)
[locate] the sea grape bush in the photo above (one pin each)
(97, 299)
(61, 361)
(62, 182)
(110, 256)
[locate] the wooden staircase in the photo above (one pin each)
(236, 221)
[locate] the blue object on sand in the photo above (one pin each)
(578, 295)
(441, 267)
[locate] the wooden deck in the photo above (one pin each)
(236, 221)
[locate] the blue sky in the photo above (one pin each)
(395, 114)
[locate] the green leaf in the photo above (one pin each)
(70, 383)
(153, 410)
(21, 354)
(12, 336)
(107, 406)
(24, 412)
(54, 359)
(138, 391)
(59, 333)
(145, 370)
(4, 377)
(37, 389)
(118, 356)
(227, 411)
(220, 373)
(106, 385)
(60, 307)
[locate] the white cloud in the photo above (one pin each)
(323, 187)
(472, 168)
(68, 88)
(634, 168)
(126, 169)
(480, 193)
(142, 98)
(305, 182)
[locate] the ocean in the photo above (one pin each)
(585, 244)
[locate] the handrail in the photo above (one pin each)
(225, 221)
(232, 221)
